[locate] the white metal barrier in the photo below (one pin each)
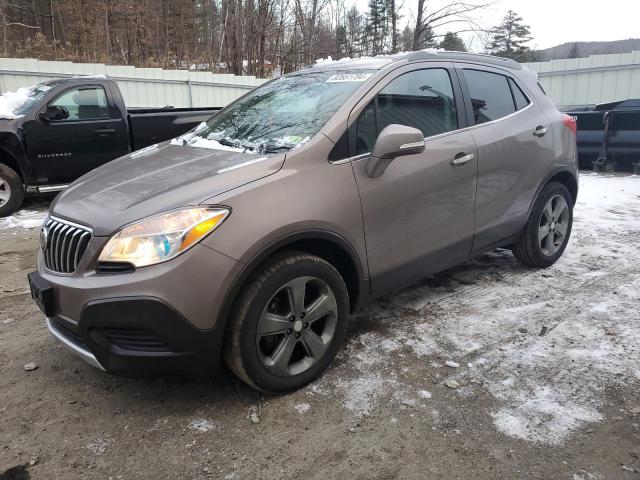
(141, 87)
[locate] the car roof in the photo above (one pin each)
(76, 79)
(380, 61)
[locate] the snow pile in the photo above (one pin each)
(24, 219)
(11, 101)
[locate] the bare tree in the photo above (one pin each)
(453, 13)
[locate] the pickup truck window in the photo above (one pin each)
(84, 103)
(279, 115)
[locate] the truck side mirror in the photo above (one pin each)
(54, 113)
(394, 141)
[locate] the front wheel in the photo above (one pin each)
(289, 324)
(11, 191)
(546, 234)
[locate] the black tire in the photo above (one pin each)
(243, 351)
(528, 248)
(10, 182)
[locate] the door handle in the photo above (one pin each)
(462, 159)
(540, 131)
(105, 131)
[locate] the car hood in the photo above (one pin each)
(154, 180)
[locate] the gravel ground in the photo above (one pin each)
(544, 365)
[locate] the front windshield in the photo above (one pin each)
(278, 116)
(14, 104)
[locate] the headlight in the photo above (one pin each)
(162, 238)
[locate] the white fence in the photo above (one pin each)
(141, 87)
(594, 79)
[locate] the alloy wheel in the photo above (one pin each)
(5, 192)
(554, 224)
(296, 326)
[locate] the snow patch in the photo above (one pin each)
(24, 219)
(424, 394)
(302, 408)
(202, 425)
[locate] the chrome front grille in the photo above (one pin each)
(63, 245)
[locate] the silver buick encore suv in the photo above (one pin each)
(252, 237)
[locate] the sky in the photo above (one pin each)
(552, 22)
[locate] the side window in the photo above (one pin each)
(422, 99)
(518, 95)
(84, 103)
(490, 95)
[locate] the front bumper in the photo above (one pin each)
(83, 353)
(138, 337)
(156, 321)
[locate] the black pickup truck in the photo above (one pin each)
(56, 131)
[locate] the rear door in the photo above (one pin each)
(515, 150)
(93, 134)
(419, 214)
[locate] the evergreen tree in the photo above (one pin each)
(406, 39)
(378, 25)
(453, 43)
(509, 39)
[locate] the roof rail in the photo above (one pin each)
(478, 57)
(485, 58)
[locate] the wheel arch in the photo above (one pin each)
(8, 159)
(325, 244)
(561, 175)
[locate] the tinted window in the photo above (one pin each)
(518, 96)
(490, 95)
(84, 103)
(422, 99)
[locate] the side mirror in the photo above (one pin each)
(393, 141)
(54, 113)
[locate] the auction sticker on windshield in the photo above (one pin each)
(348, 77)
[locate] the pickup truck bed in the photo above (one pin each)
(152, 125)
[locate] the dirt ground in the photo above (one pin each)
(547, 379)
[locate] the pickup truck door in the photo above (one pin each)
(94, 133)
(419, 214)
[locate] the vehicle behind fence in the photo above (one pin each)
(608, 135)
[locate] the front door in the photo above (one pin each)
(419, 214)
(92, 134)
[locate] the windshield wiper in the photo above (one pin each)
(276, 148)
(227, 142)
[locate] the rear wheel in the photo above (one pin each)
(11, 191)
(548, 229)
(289, 324)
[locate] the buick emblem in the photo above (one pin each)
(44, 238)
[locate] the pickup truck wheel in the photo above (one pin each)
(547, 232)
(11, 191)
(289, 324)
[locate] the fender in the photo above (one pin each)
(545, 180)
(11, 146)
(319, 234)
